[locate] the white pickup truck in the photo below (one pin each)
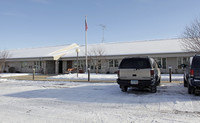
(142, 72)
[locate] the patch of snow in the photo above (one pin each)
(175, 77)
(14, 74)
(84, 76)
(59, 101)
(164, 77)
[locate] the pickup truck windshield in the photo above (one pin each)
(135, 63)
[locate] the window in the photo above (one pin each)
(135, 63)
(110, 63)
(74, 64)
(37, 64)
(92, 64)
(161, 62)
(182, 60)
(113, 63)
(81, 64)
(116, 63)
(99, 64)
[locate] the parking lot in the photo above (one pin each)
(62, 101)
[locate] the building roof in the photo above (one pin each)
(108, 49)
(53, 51)
(132, 48)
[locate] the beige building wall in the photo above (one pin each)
(25, 66)
(171, 60)
(50, 66)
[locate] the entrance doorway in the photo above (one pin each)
(60, 67)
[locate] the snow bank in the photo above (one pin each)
(175, 77)
(164, 77)
(13, 74)
(84, 76)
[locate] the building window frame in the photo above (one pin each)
(110, 62)
(182, 60)
(113, 63)
(162, 61)
(37, 64)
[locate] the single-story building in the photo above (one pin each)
(44, 60)
(102, 57)
(105, 57)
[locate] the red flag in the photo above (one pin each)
(86, 27)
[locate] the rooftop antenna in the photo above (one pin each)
(103, 28)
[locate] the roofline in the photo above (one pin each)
(133, 54)
(28, 58)
(153, 40)
(41, 47)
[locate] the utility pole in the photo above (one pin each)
(103, 28)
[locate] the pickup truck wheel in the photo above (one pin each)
(124, 88)
(153, 89)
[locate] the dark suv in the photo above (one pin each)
(192, 75)
(141, 72)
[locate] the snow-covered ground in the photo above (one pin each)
(55, 101)
(84, 76)
(13, 74)
(175, 77)
(164, 77)
(93, 76)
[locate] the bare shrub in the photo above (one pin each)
(97, 58)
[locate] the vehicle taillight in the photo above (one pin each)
(191, 72)
(152, 73)
(118, 73)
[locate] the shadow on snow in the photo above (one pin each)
(111, 94)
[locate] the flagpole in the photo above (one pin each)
(86, 61)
